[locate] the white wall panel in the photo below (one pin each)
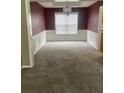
(80, 36)
(38, 41)
(92, 38)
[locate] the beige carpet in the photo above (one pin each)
(64, 67)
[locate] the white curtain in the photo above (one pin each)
(66, 24)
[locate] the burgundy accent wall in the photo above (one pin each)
(50, 17)
(37, 17)
(82, 17)
(93, 14)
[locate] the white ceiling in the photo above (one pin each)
(52, 4)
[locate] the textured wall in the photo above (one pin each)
(50, 17)
(93, 14)
(37, 16)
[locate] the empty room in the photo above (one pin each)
(62, 46)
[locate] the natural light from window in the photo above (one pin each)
(66, 24)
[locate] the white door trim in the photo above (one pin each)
(100, 26)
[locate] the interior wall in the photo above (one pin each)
(92, 38)
(82, 17)
(26, 48)
(43, 19)
(38, 18)
(50, 17)
(93, 15)
(38, 26)
(80, 36)
(38, 41)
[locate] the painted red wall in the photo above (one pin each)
(44, 18)
(37, 17)
(93, 14)
(50, 17)
(82, 17)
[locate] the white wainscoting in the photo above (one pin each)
(83, 35)
(38, 41)
(80, 36)
(92, 38)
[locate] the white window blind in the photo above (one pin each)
(66, 24)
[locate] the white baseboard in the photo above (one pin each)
(92, 38)
(80, 36)
(26, 66)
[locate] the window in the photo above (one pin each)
(66, 24)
